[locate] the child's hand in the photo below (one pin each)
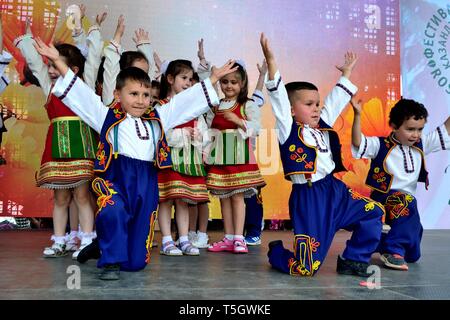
(48, 51)
(82, 11)
(230, 116)
(100, 18)
(141, 36)
(267, 51)
(357, 105)
(27, 26)
(120, 29)
(218, 73)
(262, 68)
(158, 61)
(196, 135)
(349, 64)
(201, 51)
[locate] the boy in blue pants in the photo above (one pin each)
(132, 146)
(319, 204)
(397, 164)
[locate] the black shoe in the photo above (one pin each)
(91, 251)
(273, 244)
(350, 267)
(110, 272)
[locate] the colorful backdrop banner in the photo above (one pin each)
(309, 38)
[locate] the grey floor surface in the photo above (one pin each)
(25, 274)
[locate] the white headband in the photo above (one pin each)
(241, 63)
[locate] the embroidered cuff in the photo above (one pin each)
(140, 43)
(272, 85)
(116, 46)
(93, 28)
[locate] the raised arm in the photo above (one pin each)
(33, 59)
(257, 94)
(356, 127)
(73, 91)
(204, 67)
(199, 98)
(438, 139)
(342, 92)
(281, 106)
(95, 48)
(111, 65)
(142, 41)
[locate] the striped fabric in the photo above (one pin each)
(229, 148)
(72, 139)
(188, 161)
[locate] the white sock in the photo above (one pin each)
(59, 239)
(229, 237)
(166, 239)
(184, 239)
(238, 237)
(73, 234)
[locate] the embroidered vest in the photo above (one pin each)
(229, 148)
(378, 178)
(105, 149)
(299, 158)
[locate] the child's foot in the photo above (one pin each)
(192, 236)
(240, 246)
(253, 241)
(394, 261)
(170, 249)
(110, 272)
(188, 249)
(56, 250)
(201, 242)
(222, 245)
(350, 267)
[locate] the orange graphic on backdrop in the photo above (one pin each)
(374, 122)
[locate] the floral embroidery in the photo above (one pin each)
(304, 264)
(100, 155)
(118, 113)
(370, 205)
(397, 204)
(297, 155)
(380, 177)
(104, 191)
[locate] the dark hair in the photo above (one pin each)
(73, 55)
(174, 68)
(405, 109)
(292, 87)
(101, 69)
(28, 77)
(196, 78)
(128, 57)
(156, 84)
(132, 74)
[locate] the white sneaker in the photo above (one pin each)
(192, 236)
(201, 242)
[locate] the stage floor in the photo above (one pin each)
(25, 274)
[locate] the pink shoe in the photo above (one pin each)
(240, 246)
(222, 245)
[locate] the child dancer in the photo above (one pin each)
(233, 173)
(184, 183)
(397, 165)
(127, 186)
(319, 204)
(64, 166)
